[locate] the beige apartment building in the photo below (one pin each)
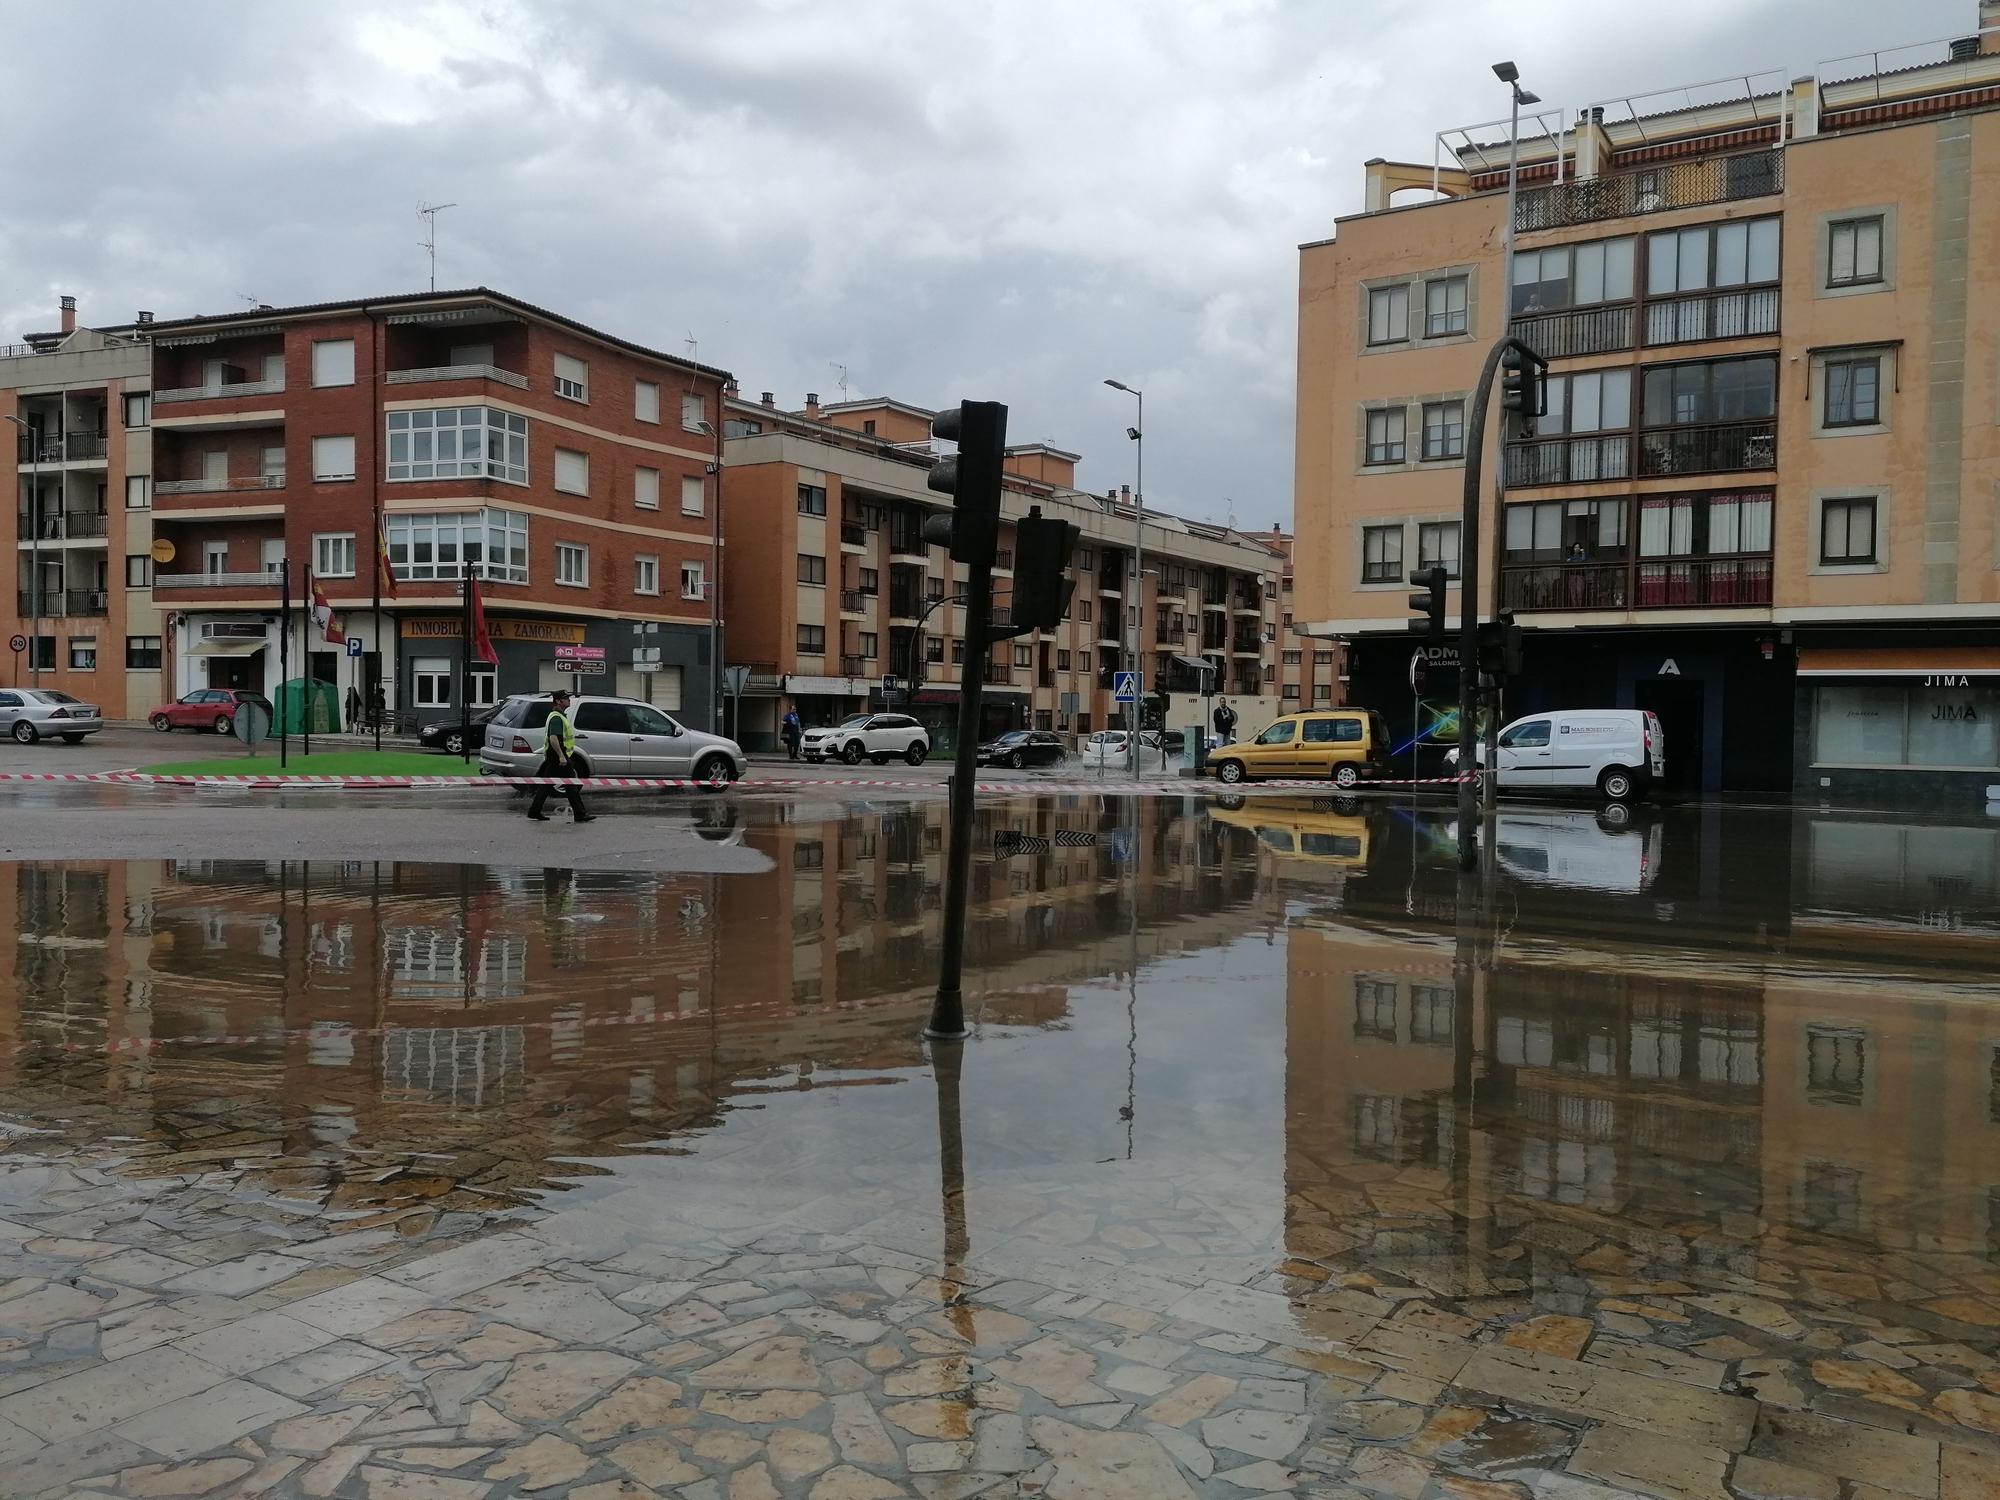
(1762, 499)
(1310, 673)
(830, 587)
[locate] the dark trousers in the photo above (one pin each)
(553, 767)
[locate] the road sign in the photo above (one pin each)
(567, 654)
(889, 682)
(1119, 841)
(251, 724)
(583, 668)
(1125, 687)
(736, 678)
(18, 643)
(354, 645)
(645, 666)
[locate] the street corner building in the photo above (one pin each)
(390, 448)
(1763, 500)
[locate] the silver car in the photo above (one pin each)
(614, 737)
(31, 714)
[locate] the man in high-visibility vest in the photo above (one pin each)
(559, 759)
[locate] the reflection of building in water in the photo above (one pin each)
(467, 1067)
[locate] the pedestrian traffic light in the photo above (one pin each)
(1521, 390)
(972, 478)
(1429, 605)
(1500, 646)
(1042, 585)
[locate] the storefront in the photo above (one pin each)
(665, 665)
(1901, 725)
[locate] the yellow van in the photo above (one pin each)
(1305, 828)
(1341, 745)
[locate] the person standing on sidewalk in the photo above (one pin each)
(1225, 722)
(793, 732)
(559, 759)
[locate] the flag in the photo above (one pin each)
(388, 574)
(482, 638)
(327, 622)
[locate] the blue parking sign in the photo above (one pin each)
(354, 645)
(1125, 687)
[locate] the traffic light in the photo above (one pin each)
(1042, 585)
(1500, 646)
(971, 477)
(1429, 605)
(1521, 391)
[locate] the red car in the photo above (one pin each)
(205, 708)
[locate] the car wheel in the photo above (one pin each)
(1229, 772)
(853, 753)
(222, 724)
(1616, 783)
(714, 768)
(916, 753)
(1016, 760)
(25, 732)
(1615, 817)
(162, 723)
(454, 744)
(1345, 775)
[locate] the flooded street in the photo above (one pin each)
(1671, 1169)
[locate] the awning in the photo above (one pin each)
(1899, 661)
(227, 648)
(1196, 663)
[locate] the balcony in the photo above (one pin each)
(853, 535)
(1589, 330)
(75, 447)
(1700, 316)
(1248, 604)
(275, 387)
(1718, 179)
(264, 580)
(854, 666)
(1646, 583)
(1569, 460)
(1710, 448)
(60, 603)
(1214, 599)
(450, 372)
(60, 526)
(853, 602)
(1246, 645)
(909, 545)
(168, 487)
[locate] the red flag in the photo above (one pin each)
(482, 638)
(324, 617)
(388, 574)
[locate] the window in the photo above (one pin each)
(1907, 724)
(1742, 253)
(138, 570)
(272, 462)
(83, 653)
(645, 574)
(1444, 306)
(934, 648)
(1385, 435)
(1292, 691)
(646, 489)
(214, 558)
(42, 653)
(333, 458)
(333, 362)
(1836, 1065)
(430, 682)
(1375, 1009)
(1566, 531)
(958, 653)
(1723, 390)
(1322, 658)
(142, 653)
(572, 378)
(1381, 554)
(1437, 542)
(1024, 656)
(458, 442)
(333, 555)
(645, 401)
(693, 585)
(572, 564)
(1389, 315)
(1847, 532)
(1444, 429)
(1062, 661)
(933, 589)
(812, 499)
(1084, 611)
(1853, 392)
(1533, 735)
(1701, 525)
(271, 554)
(694, 412)
(812, 569)
(871, 581)
(694, 494)
(138, 492)
(868, 645)
(1571, 276)
(485, 686)
(572, 472)
(812, 640)
(1279, 733)
(1322, 693)
(431, 547)
(1854, 251)
(138, 409)
(1291, 658)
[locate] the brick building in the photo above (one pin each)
(1310, 671)
(570, 469)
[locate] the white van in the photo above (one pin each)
(1618, 752)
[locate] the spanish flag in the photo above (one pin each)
(388, 574)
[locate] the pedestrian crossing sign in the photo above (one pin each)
(1125, 687)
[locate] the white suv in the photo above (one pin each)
(876, 736)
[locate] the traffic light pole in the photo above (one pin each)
(948, 1009)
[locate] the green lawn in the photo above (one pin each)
(323, 763)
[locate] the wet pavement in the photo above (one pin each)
(1670, 1169)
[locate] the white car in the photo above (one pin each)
(1107, 750)
(1619, 752)
(874, 737)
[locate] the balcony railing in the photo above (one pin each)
(853, 602)
(852, 534)
(56, 603)
(853, 666)
(56, 526)
(75, 447)
(264, 580)
(909, 544)
(1643, 583)
(1718, 179)
(1246, 645)
(219, 486)
(456, 372)
(1711, 448)
(1214, 599)
(1569, 460)
(220, 392)
(1587, 330)
(1712, 315)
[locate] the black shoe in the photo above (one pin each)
(538, 817)
(585, 818)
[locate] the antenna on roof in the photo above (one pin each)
(429, 212)
(1231, 504)
(250, 299)
(692, 344)
(840, 378)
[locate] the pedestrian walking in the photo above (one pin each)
(793, 731)
(559, 759)
(1225, 722)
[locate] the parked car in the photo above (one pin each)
(453, 735)
(1617, 752)
(874, 736)
(614, 737)
(205, 708)
(1305, 828)
(1109, 750)
(1022, 747)
(1345, 745)
(30, 714)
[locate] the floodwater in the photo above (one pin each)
(1703, 1102)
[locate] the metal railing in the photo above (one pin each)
(221, 392)
(219, 486)
(1246, 645)
(853, 534)
(1700, 316)
(1214, 599)
(1569, 460)
(853, 666)
(1715, 179)
(56, 526)
(268, 580)
(852, 602)
(1710, 448)
(1586, 330)
(910, 544)
(1644, 583)
(86, 601)
(74, 447)
(457, 372)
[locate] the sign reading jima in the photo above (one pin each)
(501, 627)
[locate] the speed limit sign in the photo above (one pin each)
(18, 643)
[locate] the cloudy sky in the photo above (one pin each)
(1005, 199)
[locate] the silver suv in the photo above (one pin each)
(614, 737)
(875, 736)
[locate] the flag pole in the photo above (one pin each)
(305, 652)
(368, 702)
(465, 666)
(284, 653)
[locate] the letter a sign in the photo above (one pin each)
(1670, 668)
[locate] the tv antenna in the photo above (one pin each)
(692, 344)
(250, 299)
(429, 212)
(840, 378)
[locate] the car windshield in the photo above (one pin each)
(1011, 737)
(855, 721)
(50, 695)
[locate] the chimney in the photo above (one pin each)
(145, 316)
(69, 315)
(730, 388)
(1592, 144)
(812, 405)
(769, 399)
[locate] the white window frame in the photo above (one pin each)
(327, 453)
(1451, 450)
(332, 363)
(430, 682)
(572, 379)
(1462, 312)
(694, 495)
(455, 532)
(1387, 299)
(646, 488)
(646, 401)
(214, 558)
(1392, 417)
(456, 442)
(485, 686)
(138, 492)
(646, 573)
(1854, 228)
(142, 401)
(573, 565)
(581, 463)
(335, 548)
(694, 410)
(144, 570)
(694, 580)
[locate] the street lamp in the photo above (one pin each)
(715, 589)
(35, 543)
(1510, 75)
(1138, 604)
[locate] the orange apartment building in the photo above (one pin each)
(831, 586)
(1762, 500)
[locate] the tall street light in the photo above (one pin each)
(35, 549)
(715, 587)
(1510, 75)
(1137, 589)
